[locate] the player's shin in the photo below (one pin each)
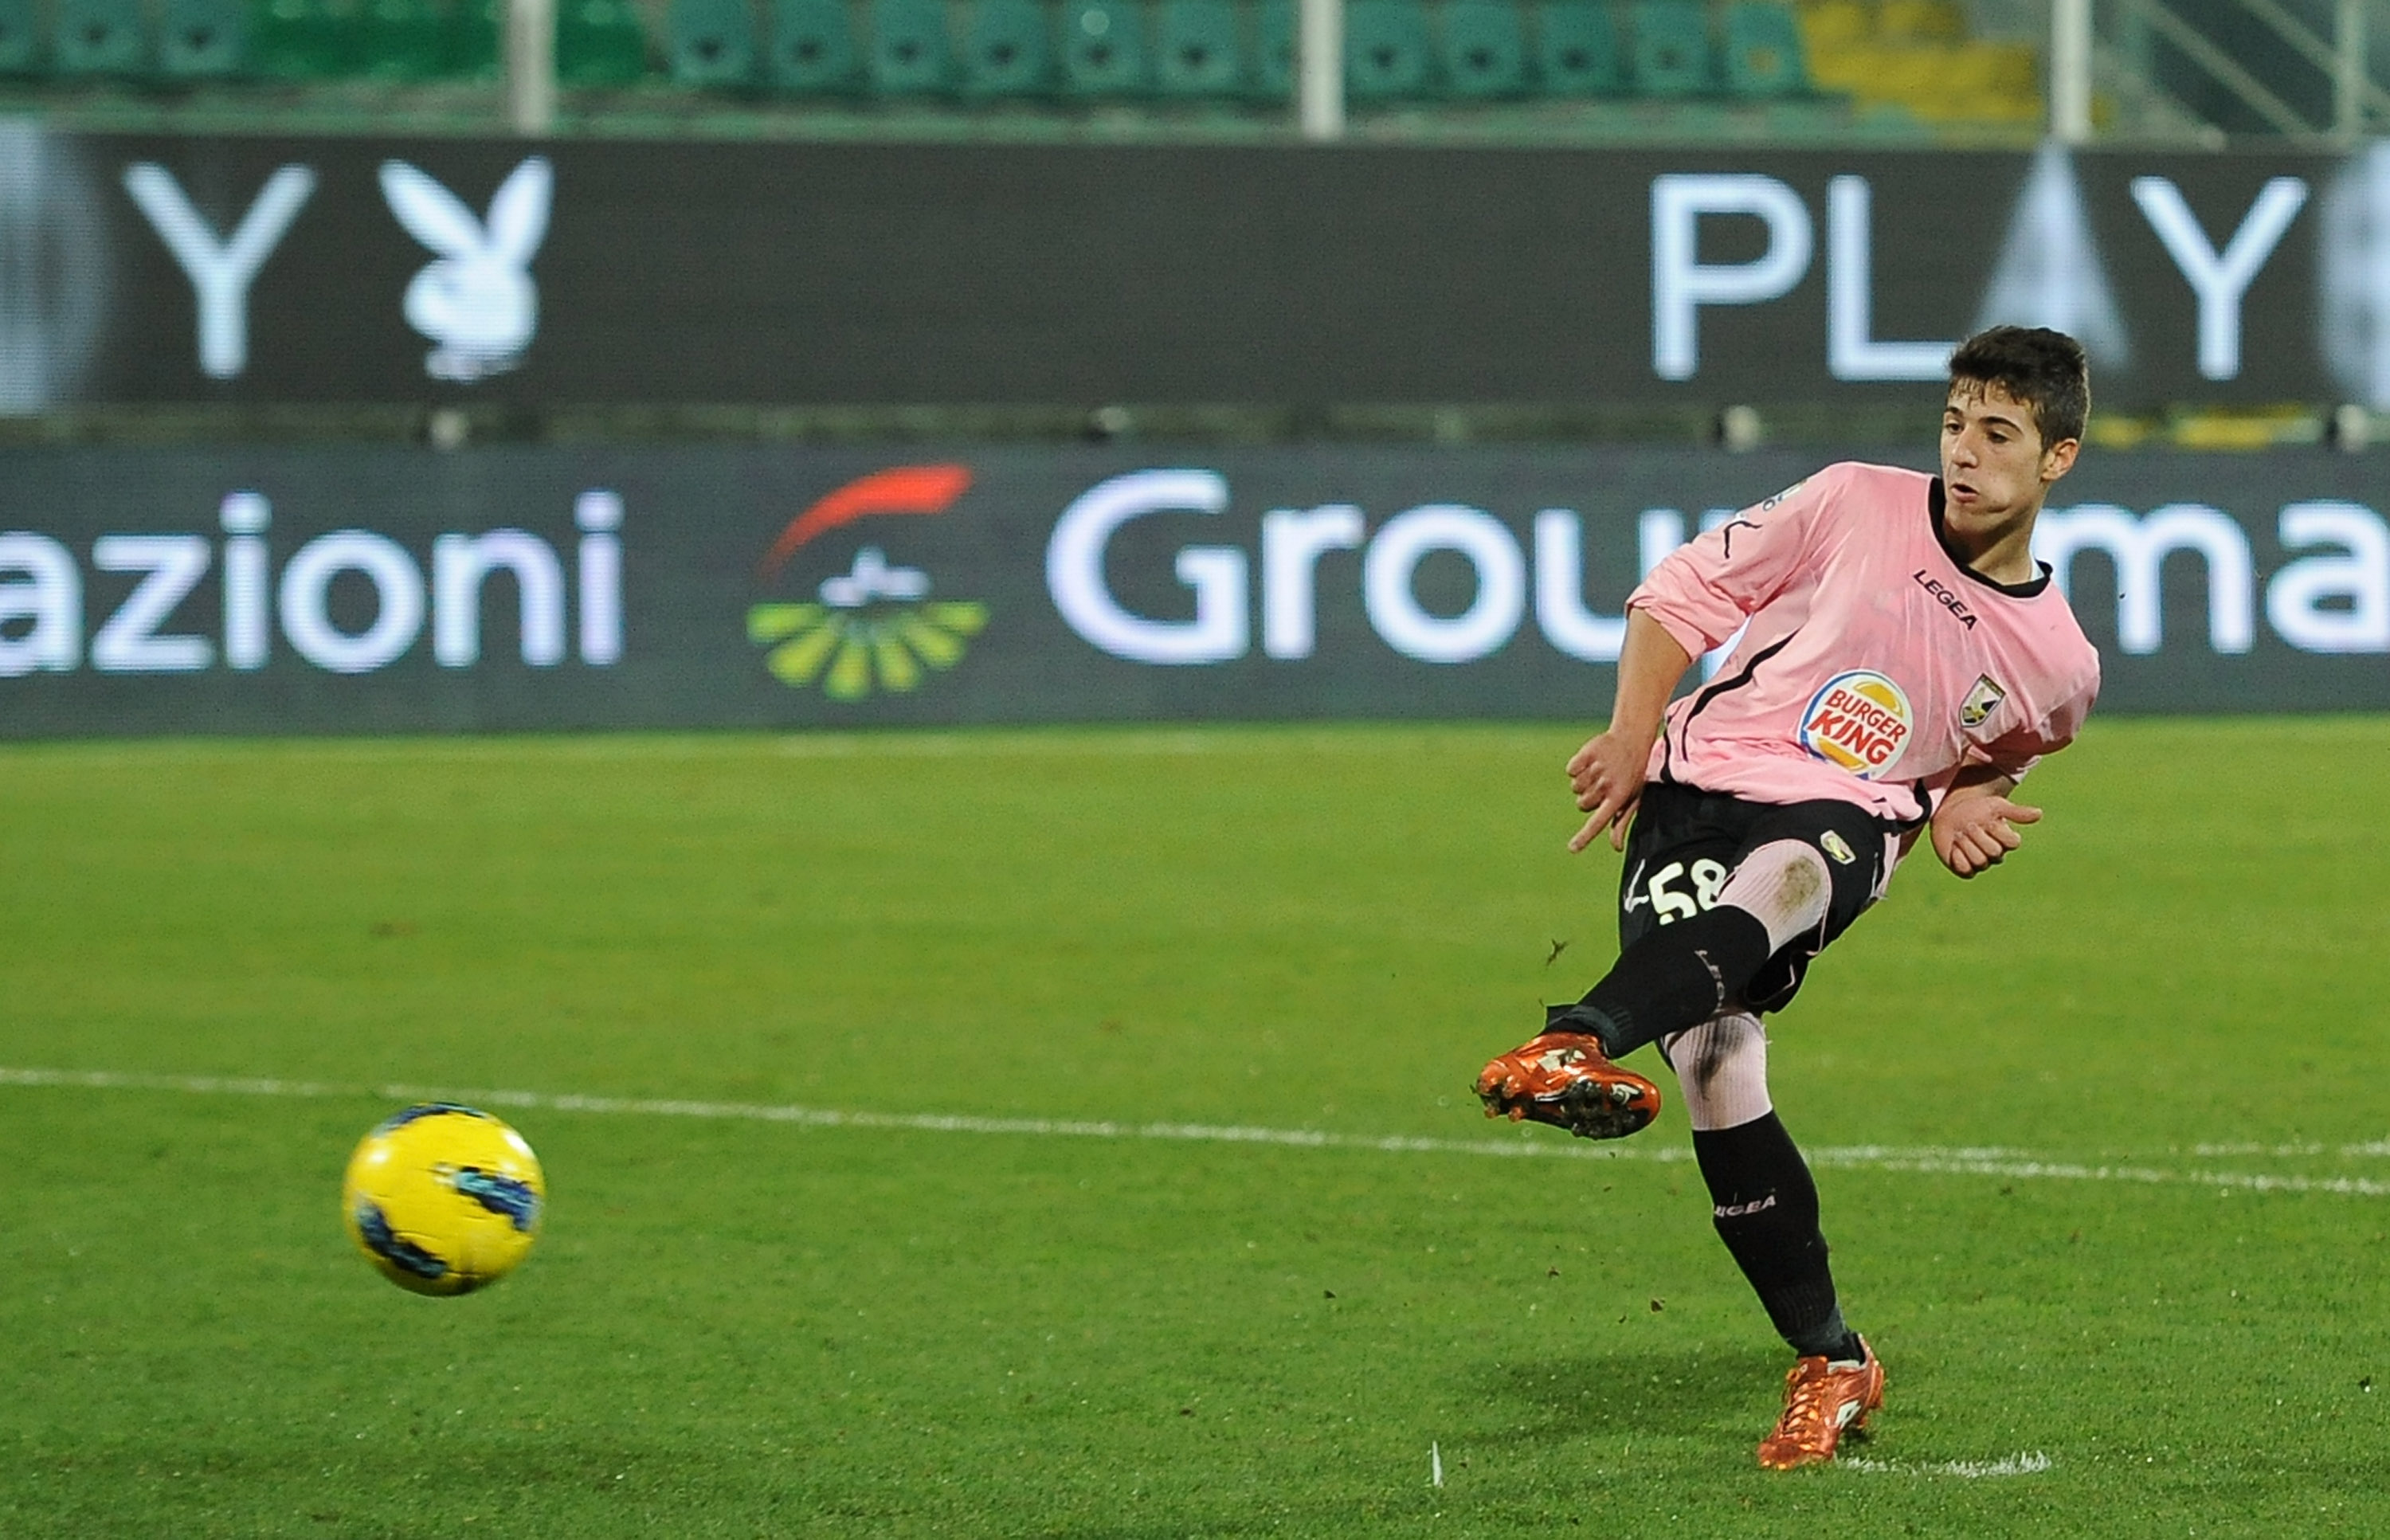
(1765, 1206)
(1722, 1066)
(1674, 978)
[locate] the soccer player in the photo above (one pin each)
(1904, 661)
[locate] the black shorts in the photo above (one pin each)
(1685, 842)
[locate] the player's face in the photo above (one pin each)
(1995, 468)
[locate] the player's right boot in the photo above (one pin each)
(1563, 1078)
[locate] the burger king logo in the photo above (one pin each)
(1859, 721)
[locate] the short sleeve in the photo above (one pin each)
(2018, 751)
(1703, 591)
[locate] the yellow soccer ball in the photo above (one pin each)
(443, 1199)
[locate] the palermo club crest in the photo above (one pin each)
(873, 625)
(1980, 702)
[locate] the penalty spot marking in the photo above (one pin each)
(2010, 1164)
(2032, 1464)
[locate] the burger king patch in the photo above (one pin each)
(1859, 721)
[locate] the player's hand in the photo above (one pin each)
(1974, 834)
(1607, 776)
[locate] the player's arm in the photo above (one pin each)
(1693, 600)
(1973, 825)
(1607, 774)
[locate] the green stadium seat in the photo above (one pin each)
(20, 38)
(1577, 48)
(99, 37)
(1482, 49)
(599, 42)
(811, 50)
(202, 39)
(710, 44)
(1008, 50)
(910, 51)
(1103, 48)
(1273, 75)
(1671, 56)
(470, 32)
(1195, 50)
(1385, 50)
(1763, 50)
(302, 40)
(406, 40)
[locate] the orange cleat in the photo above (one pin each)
(1823, 1400)
(1563, 1078)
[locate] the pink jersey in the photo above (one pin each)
(1875, 666)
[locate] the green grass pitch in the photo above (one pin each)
(2163, 1018)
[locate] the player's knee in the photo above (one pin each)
(1785, 885)
(1722, 1066)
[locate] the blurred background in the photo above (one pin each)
(623, 371)
(379, 365)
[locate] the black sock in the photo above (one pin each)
(1765, 1210)
(1678, 977)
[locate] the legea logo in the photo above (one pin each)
(872, 624)
(43, 596)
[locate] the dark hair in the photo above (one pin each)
(2036, 367)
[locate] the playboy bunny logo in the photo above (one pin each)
(477, 303)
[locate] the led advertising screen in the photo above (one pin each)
(355, 590)
(192, 269)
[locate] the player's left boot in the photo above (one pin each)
(1563, 1078)
(1823, 1400)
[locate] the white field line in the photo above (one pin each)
(936, 745)
(2014, 1165)
(2287, 1151)
(2032, 1464)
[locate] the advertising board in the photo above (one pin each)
(369, 590)
(273, 270)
